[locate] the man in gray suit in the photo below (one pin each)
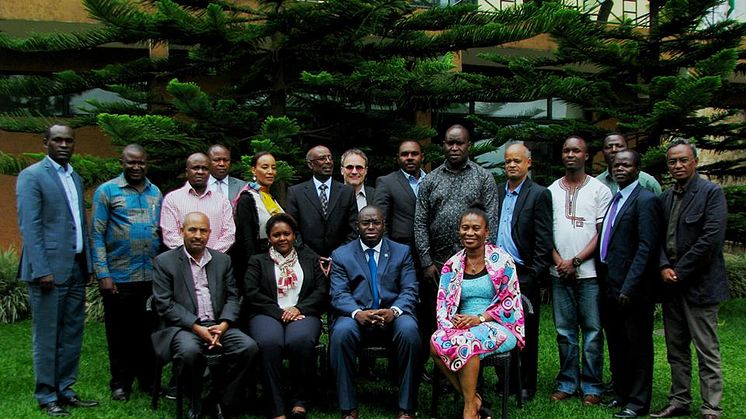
(693, 271)
(220, 165)
(196, 296)
(56, 264)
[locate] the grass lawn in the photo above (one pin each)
(377, 398)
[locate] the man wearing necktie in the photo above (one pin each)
(373, 292)
(220, 165)
(629, 266)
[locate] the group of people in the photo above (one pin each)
(434, 265)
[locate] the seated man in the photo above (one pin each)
(195, 294)
(373, 290)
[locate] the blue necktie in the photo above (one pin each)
(373, 276)
(609, 221)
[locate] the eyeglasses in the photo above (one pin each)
(349, 168)
(328, 157)
(368, 223)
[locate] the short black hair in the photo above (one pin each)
(475, 208)
(281, 218)
(682, 141)
(636, 159)
(258, 156)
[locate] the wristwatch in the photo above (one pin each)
(577, 262)
(481, 319)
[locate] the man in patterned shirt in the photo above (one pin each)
(443, 195)
(125, 239)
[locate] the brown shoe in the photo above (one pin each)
(671, 411)
(404, 415)
(351, 414)
(591, 400)
(559, 396)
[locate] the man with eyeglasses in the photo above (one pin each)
(693, 272)
(354, 169)
(373, 291)
(324, 208)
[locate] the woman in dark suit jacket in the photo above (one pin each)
(285, 296)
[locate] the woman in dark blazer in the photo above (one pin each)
(284, 298)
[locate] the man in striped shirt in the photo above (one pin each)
(194, 196)
(125, 239)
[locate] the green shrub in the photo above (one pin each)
(14, 304)
(735, 265)
(735, 196)
(94, 304)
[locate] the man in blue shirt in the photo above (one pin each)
(125, 239)
(525, 232)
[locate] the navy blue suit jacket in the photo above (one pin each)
(700, 234)
(47, 225)
(631, 267)
(350, 278)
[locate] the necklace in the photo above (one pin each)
(473, 266)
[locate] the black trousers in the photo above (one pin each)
(530, 287)
(128, 328)
(629, 334)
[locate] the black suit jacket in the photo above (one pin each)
(176, 299)
(370, 194)
(631, 267)
(700, 234)
(323, 234)
(261, 286)
(531, 226)
(397, 201)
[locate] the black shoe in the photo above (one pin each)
(170, 393)
(671, 411)
(75, 401)
(625, 413)
(613, 404)
(120, 394)
(194, 414)
(427, 378)
(54, 409)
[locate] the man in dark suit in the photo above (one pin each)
(628, 268)
(693, 271)
(354, 169)
(196, 297)
(525, 231)
(373, 290)
(56, 264)
(220, 165)
(325, 209)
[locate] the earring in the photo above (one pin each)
(254, 178)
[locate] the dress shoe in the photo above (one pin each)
(404, 415)
(298, 414)
(591, 400)
(54, 409)
(625, 413)
(671, 411)
(75, 401)
(559, 395)
(350, 414)
(194, 414)
(613, 404)
(120, 394)
(170, 393)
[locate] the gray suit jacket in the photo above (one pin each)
(700, 234)
(234, 187)
(397, 201)
(47, 225)
(176, 299)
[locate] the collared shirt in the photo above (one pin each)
(647, 181)
(124, 234)
(442, 196)
(182, 201)
(505, 230)
(361, 199)
(328, 184)
(377, 257)
(624, 194)
(199, 276)
(218, 185)
(414, 183)
(66, 177)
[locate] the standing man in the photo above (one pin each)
(629, 267)
(444, 194)
(125, 239)
(614, 143)
(196, 296)
(373, 290)
(325, 209)
(693, 271)
(354, 169)
(220, 165)
(524, 230)
(56, 263)
(196, 196)
(579, 203)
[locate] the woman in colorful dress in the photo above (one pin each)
(254, 205)
(478, 308)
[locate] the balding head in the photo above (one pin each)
(195, 230)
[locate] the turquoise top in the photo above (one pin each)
(476, 294)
